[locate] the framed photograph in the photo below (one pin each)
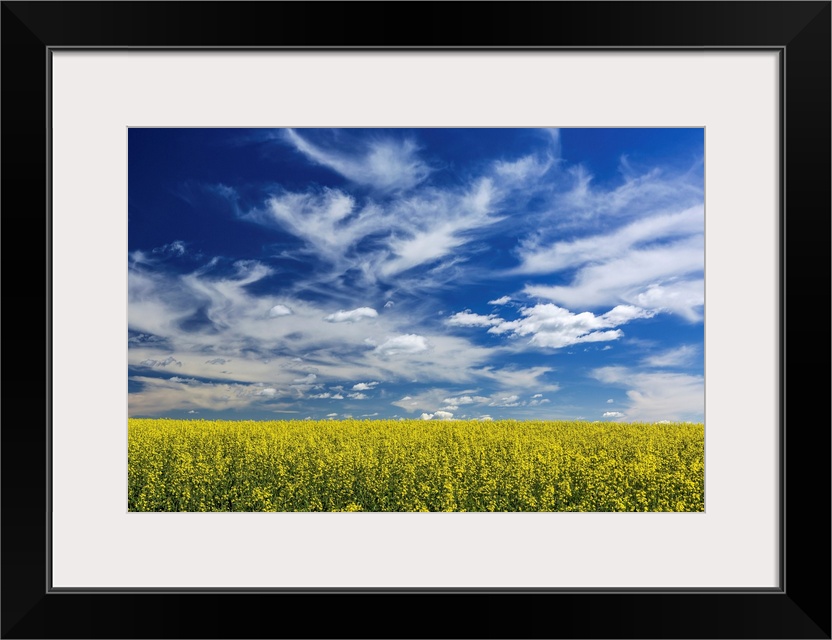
(550, 211)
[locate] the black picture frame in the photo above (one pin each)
(799, 608)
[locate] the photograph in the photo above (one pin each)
(416, 319)
(422, 307)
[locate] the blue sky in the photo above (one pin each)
(416, 273)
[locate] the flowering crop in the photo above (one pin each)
(414, 465)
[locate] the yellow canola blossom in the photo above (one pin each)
(414, 465)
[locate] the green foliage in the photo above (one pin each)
(414, 465)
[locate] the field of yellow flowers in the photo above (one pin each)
(414, 465)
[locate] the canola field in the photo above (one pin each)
(414, 465)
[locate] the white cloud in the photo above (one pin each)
(279, 310)
(468, 319)
(613, 414)
(437, 223)
(518, 380)
(523, 169)
(628, 276)
(176, 248)
(500, 301)
(463, 400)
(678, 357)
(354, 315)
(337, 396)
(331, 415)
(552, 326)
(538, 257)
(161, 363)
(683, 297)
(439, 415)
(658, 396)
(537, 395)
(506, 401)
(358, 396)
(308, 379)
(638, 196)
(407, 344)
(364, 386)
(388, 304)
(158, 396)
(387, 165)
(485, 418)
(610, 401)
(328, 220)
(634, 263)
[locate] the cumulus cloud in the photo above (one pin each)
(358, 396)
(610, 401)
(537, 395)
(353, 315)
(279, 310)
(388, 304)
(552, 326)
(500, 301)
(407, 344)
(308, 379)
(364, 386)
(438, 415)
(613, 414)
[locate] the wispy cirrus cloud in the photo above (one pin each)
(649, 253)
(386, 164)
(657, 396)
(676, 357)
